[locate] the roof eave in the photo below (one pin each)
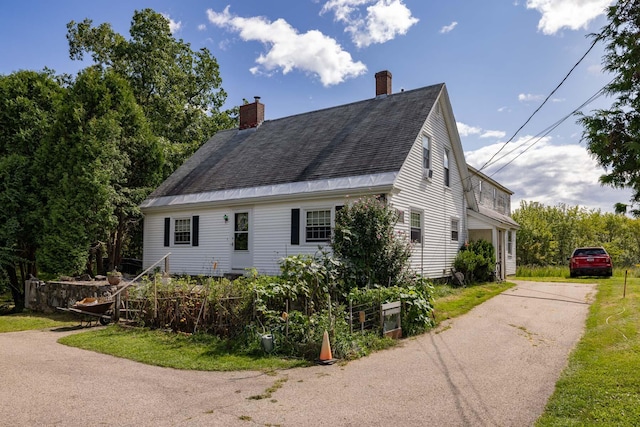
(352, 186)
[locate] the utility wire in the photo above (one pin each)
(543, 102)
(538, 135)
(547, 131)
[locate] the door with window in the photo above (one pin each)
(500, 258)
(242, 257)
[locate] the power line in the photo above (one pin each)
(549, 130)
(543, 102)
(539, 137)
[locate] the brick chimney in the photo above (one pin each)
(251, 115)
(383, 83)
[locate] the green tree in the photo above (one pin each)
(179, 89)
(29, 101)
(101, 161)
(613, 135)
(549, 234)
(535, 235)
(368, 245)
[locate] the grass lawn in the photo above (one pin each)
(32, 321)
(452, 302)
(601, 384)
(198, 352)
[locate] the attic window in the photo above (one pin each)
(426, 154)
(446, 168)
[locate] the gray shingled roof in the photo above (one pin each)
(367, 137)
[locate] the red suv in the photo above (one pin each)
(590, 262)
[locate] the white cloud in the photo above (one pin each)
(571, 14)
(543, 174)
(503, 109)
(383, 21)
(595, 69)
(558, 99)
(174, 26)
(311, 52)
(202, 27)
(497, 134)
(466, 130)
(527, 97)
(448, 28)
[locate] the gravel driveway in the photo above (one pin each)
(495, 366)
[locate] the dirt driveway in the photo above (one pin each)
(495, 366)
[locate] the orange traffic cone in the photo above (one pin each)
(325, 352)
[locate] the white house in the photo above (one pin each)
(252, 195)
(492, 220)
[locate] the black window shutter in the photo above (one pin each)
(295, 226)
(195, 229)
(167, 230)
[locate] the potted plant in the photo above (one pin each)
(114, 277)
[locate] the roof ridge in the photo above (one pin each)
(376, 98)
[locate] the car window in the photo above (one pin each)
(589, 252)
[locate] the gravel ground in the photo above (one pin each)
(495, 366)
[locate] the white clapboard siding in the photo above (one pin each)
(272, 232)
(211, 257)
(270, 238)
(439, 204)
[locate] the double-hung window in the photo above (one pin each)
(454, 230)
(509, 243)
(182, 231)
(318, 225)
(416, 227)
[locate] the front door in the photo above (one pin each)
(241, 257)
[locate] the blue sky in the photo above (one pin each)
(499, 60)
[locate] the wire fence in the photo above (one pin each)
(364, 317)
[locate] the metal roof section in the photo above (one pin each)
(364, 183)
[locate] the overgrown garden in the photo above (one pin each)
(338, 291)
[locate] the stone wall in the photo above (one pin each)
(46, 296)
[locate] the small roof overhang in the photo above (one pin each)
(493, 218)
